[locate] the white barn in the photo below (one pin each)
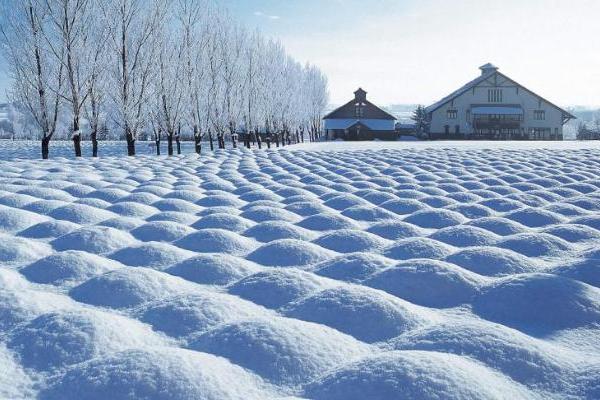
(493, 106)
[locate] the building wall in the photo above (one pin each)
(511, 94)
(375, 124)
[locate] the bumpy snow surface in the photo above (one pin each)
(383, 273)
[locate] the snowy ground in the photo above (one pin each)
(366, 271)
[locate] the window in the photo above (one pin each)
(457, 129)
(359, 111)
(539, 115)
(494, 95)
(452, 114)
(447, 129)
(540, 133)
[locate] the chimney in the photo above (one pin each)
(488, 69)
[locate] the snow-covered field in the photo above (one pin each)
(328, 271)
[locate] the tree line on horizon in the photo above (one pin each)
(156, 68)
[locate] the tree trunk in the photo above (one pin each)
(210, 139)
(258, 140)
(45, 148)
(276, 139)
(268, 142)
(170, 144)
(94, 138)
(197, 140)
(76, 139)
(178, 142)
(282, 139)
(130, 142)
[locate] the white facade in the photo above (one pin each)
(495, 107)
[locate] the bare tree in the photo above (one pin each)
(37, 77)
(169, 88)
(69, 37)
(134, 25)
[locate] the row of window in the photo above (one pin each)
(538, 115)
(494, 95)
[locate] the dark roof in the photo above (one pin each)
(491, 70)
(370, 110)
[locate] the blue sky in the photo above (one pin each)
(416, 51)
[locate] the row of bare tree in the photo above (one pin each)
(153, 66)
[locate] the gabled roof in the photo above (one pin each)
(489, 70)
(360, 97)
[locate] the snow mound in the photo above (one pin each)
(344, 201)
(49, 230)
(16, 250)
(223, 221)
(154, 255)
(275, 230)
(14, 382)
(19, 303)
(394, 230)
(352, 267)
(326, 222)
(277, 287)
(418, 248)
(492, 261)
(585, 269)
(415, 375)
(524, 359)
(403, 206)
(213, 269)
(81, 214)
(350, 241)
(367, 213)
(68, 266)
(283, 351)
(127, 287)
(222, 200)
(177, 205)
(97, 240)
(216, 241)
(465, 236)
(264, 213)
(160, 373)
(288, 253)
(435, 218)
(499, 226)
(539, 303)
(366, 314)
(573, 233)
(536, 244)
(535, 218)
(14, 220)
(428, 283)
(181, 316)
(161, 231)
(57, 340)
(133, 210)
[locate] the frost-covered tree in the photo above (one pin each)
(165, 66)
(134, 29)
(37, 76)
(71, 38)
(421, 120)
